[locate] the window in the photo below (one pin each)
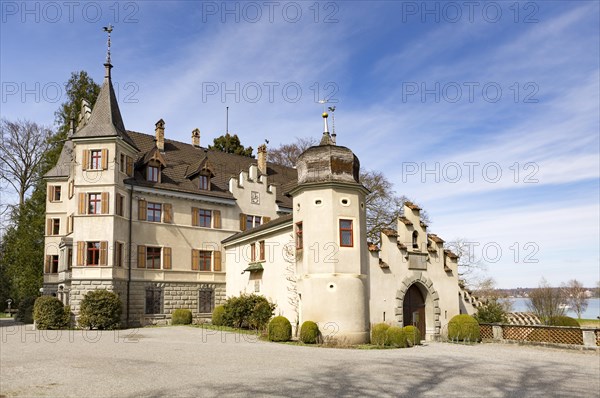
(152, 257)
(96, 159)
(118, 254)
(299, 240)
(119, 206)
(69, 258)
(346, 238)
(153, 300)
(252, 252)
(126, 164)
(93, 253)
(204, 218)
(204, 182)
(252, 221)
(55, 226)
(204, 260)
(152, 174)
(94, 203)
(206, 300)
(51, 264)
(261, 250)
(55, 193)
(415, 240)
(154, 211)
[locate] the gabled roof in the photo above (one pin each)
(63, 165)
(105, 120)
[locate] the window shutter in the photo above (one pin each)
(71, 188)
(69, 224)
(115, 254)
(266, 220)
(104, 202)
(80, 253)
(168, 213)
(104, 159)
(86, 159)
(82, 203)
(141, 260)
(49, 226)
(129, 166)
(195, 260)
(194, 216)
(47, 264)
(119, 204)
(242, 222)
(217, 260)
(166, 258)
(142, 209)
(50, 193)
(216, 219)
(103, 252)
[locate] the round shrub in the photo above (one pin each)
(280, 329)
(395, 337)
(563, 321)
(217, 316)
(100, 309)
(25, 310)
(49, 313)
(181, 316)
(463, 328)
(309, 332)
(413, 335)
(378, 334)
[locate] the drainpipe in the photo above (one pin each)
(129, 251)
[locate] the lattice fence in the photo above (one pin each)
(486, 331)
(544, 334)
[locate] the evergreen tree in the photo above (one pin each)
(231, 144)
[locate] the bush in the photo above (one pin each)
(309, 332)
(100, 309)
(240, 311)
(413, 335)
(395, 337)
(25, 310)
(49, 313)
(378, 334)
(563, 321)
(181, 317)
(218, 316)
(463, 328)
(280, 329)
(261, 314)
(491, 312)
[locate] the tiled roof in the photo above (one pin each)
(435, 238)
(389, 232)
(63, 165)
(183, 159)
(405, 220)
(411, 205)
(450, 254)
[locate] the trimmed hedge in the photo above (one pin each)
(25, 310)
(463, 328)
(309, 332)
(395, 337)
(413, 335)
(244, 311)
(100, 309)
(378, 334)
(563, 321)
(181, 316)
(280, 329)
(218, 316)
(49, 313)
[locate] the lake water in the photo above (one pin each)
(593, 310)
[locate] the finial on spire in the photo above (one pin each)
(108, 29)
(326, 126)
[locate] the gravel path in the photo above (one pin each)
(186, 361)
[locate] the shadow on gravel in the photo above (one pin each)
(398, 377)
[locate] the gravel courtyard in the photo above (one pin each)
(193, 362)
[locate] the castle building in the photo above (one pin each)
(169, 225)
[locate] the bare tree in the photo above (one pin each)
(471, 268)
(21, 154)
(287, 154)
(575, 296)
(546, 302)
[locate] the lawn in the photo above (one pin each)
(589, 323)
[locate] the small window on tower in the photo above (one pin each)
(346, 233)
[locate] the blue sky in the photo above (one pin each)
(486, 114)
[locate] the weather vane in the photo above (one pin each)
(108, 29)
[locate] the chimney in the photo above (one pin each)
(196, 138)
(72, 128)
(160, 135)
(262, 159)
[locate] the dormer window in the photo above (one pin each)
(152, 173)
(204, 183)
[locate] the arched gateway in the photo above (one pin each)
(417, 303)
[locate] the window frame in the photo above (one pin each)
(94, 205)
(152, 171)
(349, 230)
(155, 308)
(118, 254)
(204, 260)
(56, 189)
(204, 182)
(91, 248)
(152, 208)
(299, 236)
(203, 216)
(95, 159)
(151, 262)
(54, 261)
(55, 226)
(253, 221)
